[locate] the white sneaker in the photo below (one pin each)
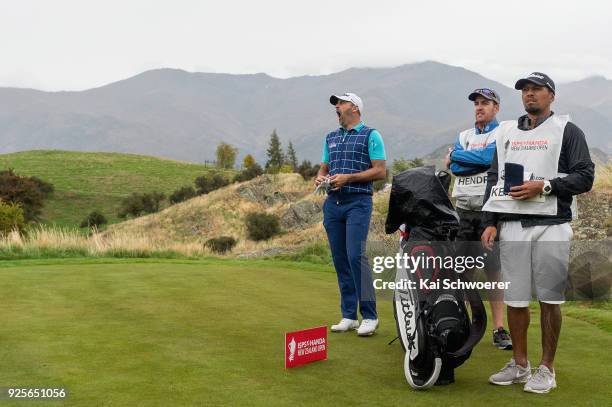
(345, 325)
(367, 327)
(511, 373)
(542, 381)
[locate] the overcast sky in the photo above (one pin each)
(79, 44)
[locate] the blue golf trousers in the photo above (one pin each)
(346, 218)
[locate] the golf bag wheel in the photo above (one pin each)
(419, 384)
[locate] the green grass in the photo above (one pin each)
(317, 252)
(86, 181)
(155, 332)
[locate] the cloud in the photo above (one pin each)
(69, 44)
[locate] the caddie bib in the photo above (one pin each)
(476, 184)
(538, 150)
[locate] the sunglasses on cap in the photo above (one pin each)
(486, 91)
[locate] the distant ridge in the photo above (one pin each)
(183, 115)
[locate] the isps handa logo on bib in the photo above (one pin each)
(529, 145)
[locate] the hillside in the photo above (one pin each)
(223, 212)
(187, 225)
(182, 229)
(184, 115)
(97, 181)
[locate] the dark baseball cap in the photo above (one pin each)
(485, 93)
(538, 78)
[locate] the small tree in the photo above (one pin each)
(209, 183)
(275, 154)
(261, 226)
(152, 201)
(249, 173)
(137, 204)
(94, 219)
(11, 217)
(292, 157)
(182, 194)
(23, 191)
(248, 161)
(226, 155)
(307, 170)
(131, 206)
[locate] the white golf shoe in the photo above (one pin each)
(367, 327)
(345, 325)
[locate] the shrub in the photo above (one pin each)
(94, 219)
(23, 191)
(11, 217)
(249, 173)
(285, 169)
(261, 226)
(272, 169)
(379, 184)
(43, 186)
(137, 204)
(401, 164)
(307, 170)
(221, 244)
(131, 206)
(209, 183)
(152, 200)
(182, 194)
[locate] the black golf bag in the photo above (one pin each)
(433, 323)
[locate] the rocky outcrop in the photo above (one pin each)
(264, 190)
(302, 214)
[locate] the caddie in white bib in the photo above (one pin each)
(472, 185)
(537, 150)
(474, 149)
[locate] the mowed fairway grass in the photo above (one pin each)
(188, 333)
(86, 181)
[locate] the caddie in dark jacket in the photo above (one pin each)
(550, 157)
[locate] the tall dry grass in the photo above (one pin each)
(603, 178)
(58, 242)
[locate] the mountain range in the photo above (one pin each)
(183, 115)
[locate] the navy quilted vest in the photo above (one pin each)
(348, 153)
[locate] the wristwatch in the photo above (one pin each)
(547, 188)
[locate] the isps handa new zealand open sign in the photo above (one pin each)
(305, 346)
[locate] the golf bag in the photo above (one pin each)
(433, 323)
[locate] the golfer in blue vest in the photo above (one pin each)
(353, 157)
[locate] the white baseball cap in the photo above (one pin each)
(349, 97)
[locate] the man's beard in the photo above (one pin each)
(533, 110)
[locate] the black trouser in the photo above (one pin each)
(468, 244)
